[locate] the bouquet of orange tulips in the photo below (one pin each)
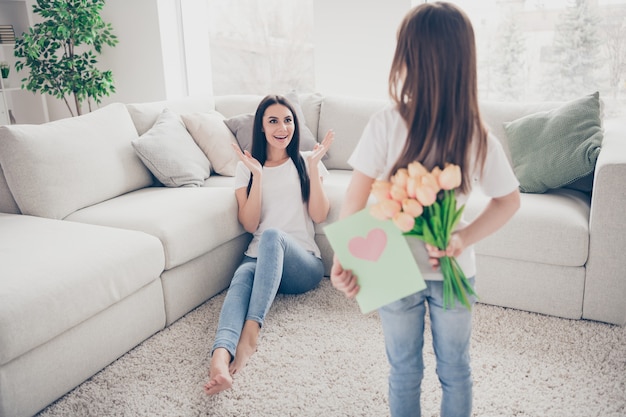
(423, 204)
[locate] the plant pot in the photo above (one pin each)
(5, 72)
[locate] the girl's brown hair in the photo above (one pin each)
(433, 83)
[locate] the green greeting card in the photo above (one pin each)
(378, 254)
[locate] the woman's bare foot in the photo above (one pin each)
(246, 346)
(219, 375)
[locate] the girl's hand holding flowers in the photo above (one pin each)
(423, 204)
(455, 248)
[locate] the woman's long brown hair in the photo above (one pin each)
(433, 82)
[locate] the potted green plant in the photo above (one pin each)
(59, 52)
(4, 69)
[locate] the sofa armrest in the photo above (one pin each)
(605, 283)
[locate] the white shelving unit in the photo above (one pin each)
(26, 106)
(4, 103)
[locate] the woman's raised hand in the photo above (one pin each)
(320, 149)
(253, 165)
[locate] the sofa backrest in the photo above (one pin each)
(145, 114)
(85, 136)
(347, 116)
(235, 104)
(56, 168)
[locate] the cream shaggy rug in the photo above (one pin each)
(319, 356)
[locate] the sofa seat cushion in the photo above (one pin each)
(189, 222)
(552, 228)
(56, 168)
(55, 275)
(220, 181)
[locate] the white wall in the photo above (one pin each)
(136, 61)
(195, 26)
(354, 44)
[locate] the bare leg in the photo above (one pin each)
(246, 346)
(219, 375)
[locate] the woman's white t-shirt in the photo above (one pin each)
(380, 147)
(281, 204)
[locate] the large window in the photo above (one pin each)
(529, 50)
(261, 46)
(551, 49)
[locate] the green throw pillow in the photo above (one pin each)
(555, 148)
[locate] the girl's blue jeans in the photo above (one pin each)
(282, 266)
(403, 328)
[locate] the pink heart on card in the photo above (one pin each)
(369, 248)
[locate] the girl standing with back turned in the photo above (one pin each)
(435, 120)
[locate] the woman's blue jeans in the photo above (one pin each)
(403, 328)
(282, 266)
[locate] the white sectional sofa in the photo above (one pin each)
(96, 256)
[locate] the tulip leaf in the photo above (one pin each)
(418, 227)
(457, 216)
(428, 236)
(445, 209)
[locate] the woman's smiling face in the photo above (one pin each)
(278, 125)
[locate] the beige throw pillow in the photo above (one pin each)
(215, 139)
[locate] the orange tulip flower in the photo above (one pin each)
(404, 221)
(412, 207)
(390, 208)
(400, 177)
(416, 169)
(380, 190)
(450, 178)
(425, 195)
(398, 193)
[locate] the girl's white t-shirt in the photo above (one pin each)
(380, 147)
(281, 204)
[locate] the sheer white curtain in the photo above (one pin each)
(247, 46)
(551, 49)
(527, 49)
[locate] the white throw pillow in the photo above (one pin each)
(215, 139)
(56, 168)
(170, 153)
